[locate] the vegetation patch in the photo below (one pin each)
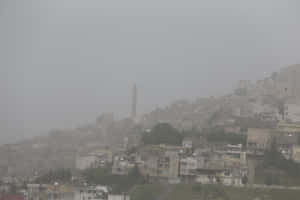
(120, 184)
(218, 135)
(162, 134)
(60, 175)
(276, 169)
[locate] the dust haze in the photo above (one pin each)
(64, 62)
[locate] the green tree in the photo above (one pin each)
(274, 159)
(119, 183)
(218, 135)
(163, 134)
(272, 179)
(13, 188)
(62, 175)
(268, 180)
(245, 180)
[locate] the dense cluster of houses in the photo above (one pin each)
(285, 135)
(221, 163)
(226, 164)
(188, 163)
(58, 191)
(264, 112)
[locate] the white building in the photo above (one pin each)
(187, 143)
(188, 166)
(118, 197)
(205, 179)
(92, 193)
(121, 166)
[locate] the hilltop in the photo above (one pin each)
(251, 105)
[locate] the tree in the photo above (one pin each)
(268, 180)
(135, 174)
(274, 159)
(220, 136)
(13, 188)
(272, 179)
(281, 108)
(63, 175)
(245, 180)
(120, 184)
(163, 134)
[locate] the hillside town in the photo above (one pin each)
(250, 138)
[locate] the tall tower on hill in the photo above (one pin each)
(134, 102)
(295, 84)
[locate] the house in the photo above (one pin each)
(212, 161)
(131, 141)
(164, 166)
(57, 191)
(92, 192)
(230, 149)
(288, 128)
(121, 165)
(293, 112)
(165, 147)
(217, 167)
(206, 178)
(94, 159)
(160, 163)
(5, 187)
(118, 197)
(201, 151)
(244, 84)
(35, 190)
(187, 143)
(296, 154)
(285, 143)
(258, 141)
(232, 129)
(104, 155)
(188, 166)
(231, 178)
(85, 162)
(173, 164)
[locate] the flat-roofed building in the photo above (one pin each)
(296, 154)
(258, 140)
(288, 127)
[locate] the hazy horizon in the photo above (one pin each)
(64, 62)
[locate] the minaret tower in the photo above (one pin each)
(134, 102)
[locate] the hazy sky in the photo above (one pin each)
(63, 62)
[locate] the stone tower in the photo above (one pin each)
(134, 102)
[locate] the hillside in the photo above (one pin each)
(248, 106)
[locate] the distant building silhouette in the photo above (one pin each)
(134, 102)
